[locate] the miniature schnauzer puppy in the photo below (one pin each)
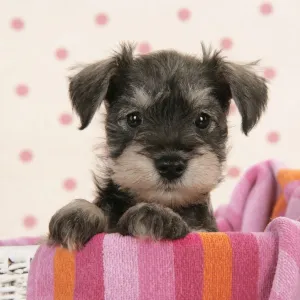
(166, 133)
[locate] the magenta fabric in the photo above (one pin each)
(264, 261)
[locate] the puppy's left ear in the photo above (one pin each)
(248, 90)
(89, 87)
(240, 83)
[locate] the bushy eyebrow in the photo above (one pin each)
(140, 97)
(203, 100)
(198, 98)
(203, 96)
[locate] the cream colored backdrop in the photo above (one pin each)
(45, 161)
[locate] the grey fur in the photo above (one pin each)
(74, 224)
(153, 221)
(169, 91)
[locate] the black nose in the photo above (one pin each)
(170, 167)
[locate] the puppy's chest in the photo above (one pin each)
(115, 202)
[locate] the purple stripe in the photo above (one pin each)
(156, 269)
(89, 271)
(120, 262)
(41, 282)
(268, 252)
(245, 264)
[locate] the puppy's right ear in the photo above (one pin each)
(89, 87)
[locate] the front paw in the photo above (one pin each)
(75, 224)
(152, 221)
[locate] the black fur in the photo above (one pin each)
(114, 202)
(169, 91)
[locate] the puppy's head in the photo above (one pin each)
(166, 118)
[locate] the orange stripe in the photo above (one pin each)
(284, 177)
(217, 266)
(279, 207)
(64, 274)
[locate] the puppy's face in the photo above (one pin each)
(166, 119)
(166, 131)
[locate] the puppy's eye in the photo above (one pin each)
(134, 119)
(203, 121)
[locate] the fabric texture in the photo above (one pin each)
(258, 257)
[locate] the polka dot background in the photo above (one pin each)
(45, 160)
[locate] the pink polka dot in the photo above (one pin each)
(269, 73)
(17, 24)
(61, 54)
(29, 221)
(65, 119)
(226, 43)
(22, 89)
(232, 109)
(101, 19)
(26, 156)
(233, 172)
(184, 14)
(144, 48)
(273, 137)
(69, 184)
(266, 8)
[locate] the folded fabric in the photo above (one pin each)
(266, 191)
(232, 265)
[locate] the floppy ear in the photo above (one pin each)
(249, 92)
(239, 82)
(89, 87)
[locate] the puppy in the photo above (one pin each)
(166, 133)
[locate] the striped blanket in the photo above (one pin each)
(257, 258)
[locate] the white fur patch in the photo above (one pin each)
(204, 95)
(141, 97)
(136, 172)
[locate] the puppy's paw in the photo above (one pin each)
(75, 224)
(152, 221)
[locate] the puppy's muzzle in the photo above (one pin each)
(170, 167)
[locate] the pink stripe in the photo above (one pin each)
(41, 282)
(245, 264)
(156, 269)
(287, 231)
(264, 188)
(268, 251)
(290, 188)
(188, 264)
(293, 199)
(277, 297)
(285, 280)
(89, 271)
(120, 261)
(276, 165)
(31, 283)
